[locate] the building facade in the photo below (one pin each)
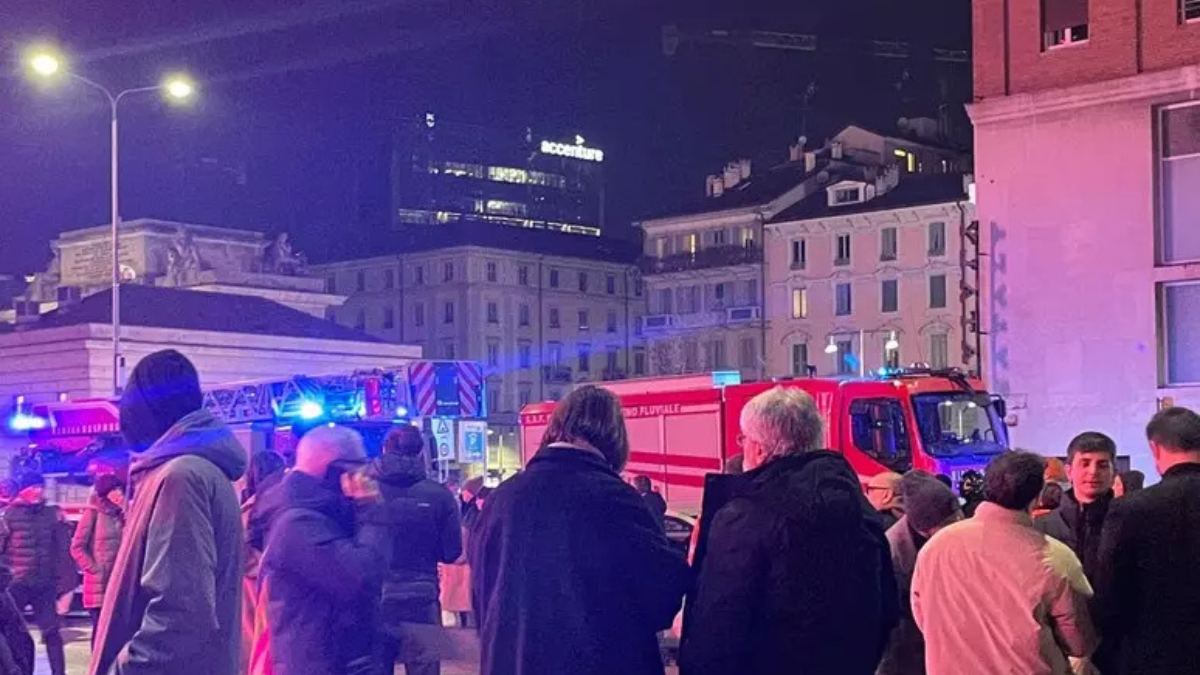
(541, 311)
(1088, 143)
(448, 172)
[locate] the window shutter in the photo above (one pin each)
(1063, 14)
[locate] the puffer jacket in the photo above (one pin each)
(31, 543)
(94, 547)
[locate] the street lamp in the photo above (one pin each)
(892, 344)
(46, 63)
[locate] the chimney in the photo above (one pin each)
(835, 149)
(810, 162)
(733, 175)
(714, 186)
(744, 168)
(796, 150)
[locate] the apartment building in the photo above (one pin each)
(867, 275)
(1087, 128)
(540, 310)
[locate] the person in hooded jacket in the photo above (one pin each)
(570, 571)
(30, 543)
(172, 603)
(425, 529)
(322, 569)
(798, 575)
(97, 539)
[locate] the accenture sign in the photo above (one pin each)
(578, 151)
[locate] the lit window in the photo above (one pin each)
(747, 236)
(843, 250)
(1065, 36)
(1179, 171)
(899, 153)
(690, 243)
(506, 174)
(463, 170)
(912, 163)
(799, 303)
(1064, 22)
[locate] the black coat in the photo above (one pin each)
(1078, 527)
(321, 580)
(571, 573)
(1147, 600)
(32, 542)
(797, 578)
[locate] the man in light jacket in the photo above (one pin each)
(172, 603)
(994, 595)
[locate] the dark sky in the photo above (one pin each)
(298, 99)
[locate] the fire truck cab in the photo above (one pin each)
(941, 421)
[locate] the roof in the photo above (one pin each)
(756, 190)
(154, 307)
(422, 238)
(912, 190)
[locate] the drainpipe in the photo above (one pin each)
(762, 296)
(541, 366)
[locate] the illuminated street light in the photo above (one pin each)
(892, 343)
(45, 63)
(832, 347)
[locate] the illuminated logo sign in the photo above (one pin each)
(577, 151)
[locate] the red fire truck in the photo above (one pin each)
(681, 428)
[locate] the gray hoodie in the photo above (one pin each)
(172, 604)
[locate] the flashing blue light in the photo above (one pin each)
(401, 412)
(311, 410)
(23, 422)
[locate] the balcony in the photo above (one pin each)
(709, 258)
(556, 374)
(659, 323)
(611, 375)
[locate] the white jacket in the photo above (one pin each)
(993, 596)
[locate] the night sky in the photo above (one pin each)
(298, 100)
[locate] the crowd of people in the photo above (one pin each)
(343, 565)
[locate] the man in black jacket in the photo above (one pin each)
(798, 575)
(321, 572)
(1147, 599)
(30, 542)
(425, 528)
(1079, 518)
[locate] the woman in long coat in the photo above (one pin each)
(97, 538)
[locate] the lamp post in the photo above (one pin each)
(46, 64)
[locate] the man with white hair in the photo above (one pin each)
(324, 561)
(798, 574)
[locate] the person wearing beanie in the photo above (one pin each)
(30, 543)
(929, 506)
(425, 525)
(96, 540)
(173, 597)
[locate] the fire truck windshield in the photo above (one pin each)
(958, 423)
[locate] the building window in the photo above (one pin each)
(389, 279)
(842, 255)
(493, 353)
(1064, 22)
(554, 353)
(664, 301)
(419, 315)
(716, 355)
(890, 293)
(523, 315)
(1189, 10)
(331, 283)
(1179, 152)
(583, 282)
(554, 319)
(799, 254)
(843, 302)
(799, 303)
(937, 240)
(719, 294)
(845, 357)
(553, 278)
(448, 313)
(523, 275)
(360, 320)
(660, 247)
(937, 291)
(448, 272)
(847, 195)
(585, 358)
(691, 356)
(389, 318)
(493, 312)
(525, 354)
(748, 353)
(491, 272)
(691, 243)
(638, 287)
(419, 275)
(747, 236)
(610, 284)
(360, 281)
(1180, 308)
(448, 350)
(639, 361)
(800, 359)
(718, 237)
(887, 244)
(611, 322)
(583, 320)
(525, 393)
(939, 350)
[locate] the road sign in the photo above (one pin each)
(443, 438)
(472, 436)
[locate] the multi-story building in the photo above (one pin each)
(867, 275)
(446, 172)
(704, 267)
(1087, 129)
(542, 311)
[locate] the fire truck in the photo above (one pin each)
(682, 428)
